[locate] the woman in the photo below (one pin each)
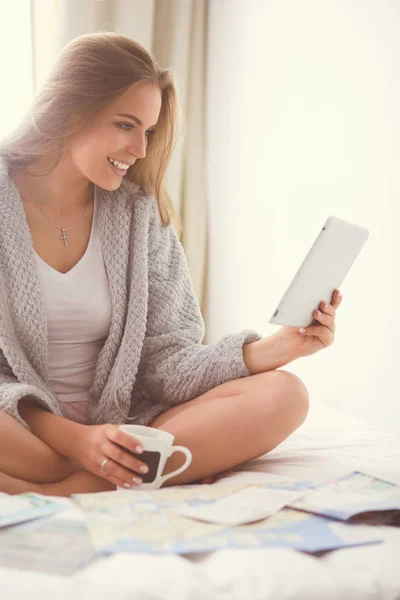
(99, 324)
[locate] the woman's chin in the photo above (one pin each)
(110, 185)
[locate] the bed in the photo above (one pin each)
(328, 444)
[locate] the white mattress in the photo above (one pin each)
(326, 445)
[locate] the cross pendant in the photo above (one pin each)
(64, 237)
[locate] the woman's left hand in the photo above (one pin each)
(316, 337)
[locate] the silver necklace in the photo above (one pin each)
(64, 235)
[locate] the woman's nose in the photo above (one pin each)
(138, 149)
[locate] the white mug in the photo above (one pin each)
(158, 446)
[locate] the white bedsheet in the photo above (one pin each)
(326, 445)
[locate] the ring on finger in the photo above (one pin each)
(103, 464)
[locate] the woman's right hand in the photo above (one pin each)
(95, 443)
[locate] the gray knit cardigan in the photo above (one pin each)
(153, 357)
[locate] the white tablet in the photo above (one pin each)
(322, 271)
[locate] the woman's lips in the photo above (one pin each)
(119, 172)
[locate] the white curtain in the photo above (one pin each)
(174, 31)
(16, 83)
(303, 123)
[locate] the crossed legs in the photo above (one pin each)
(230, 424)
(234, 422)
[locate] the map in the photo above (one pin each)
(352, 495)
(49, 545)
(146, 521)
(62, 535)
(24, 507)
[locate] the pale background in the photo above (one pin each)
(308, 126)
(301, 122)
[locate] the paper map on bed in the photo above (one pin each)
(135, 521)
(50, 545)
(351, 495)
(243, 507)
(24, 507)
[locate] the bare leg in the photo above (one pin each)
(234, 422)
(27, 464)
(11, 485)
(80, 482)
(24, 456)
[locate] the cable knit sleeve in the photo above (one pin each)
(11, 391)
(175, 366)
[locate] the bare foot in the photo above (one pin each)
(208, 480)
(80, 482)
(11, 485)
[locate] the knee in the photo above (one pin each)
(295, 394)
(286, 392)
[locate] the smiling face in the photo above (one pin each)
(114, 137)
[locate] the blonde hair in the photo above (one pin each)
(90, 71)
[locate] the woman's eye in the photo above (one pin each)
(130, 127)
(122, 125)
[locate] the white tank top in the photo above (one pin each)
(78, 306)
